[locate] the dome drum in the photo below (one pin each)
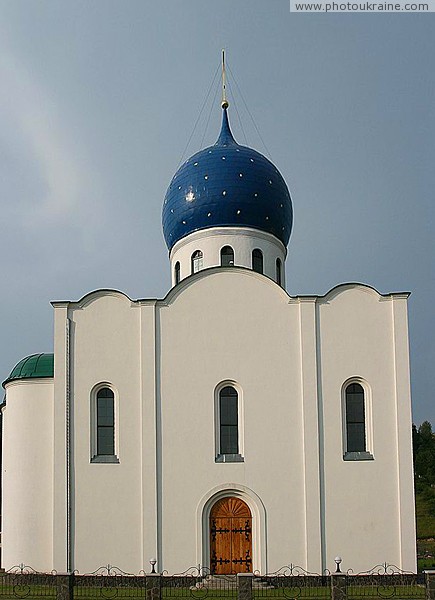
(239, 242)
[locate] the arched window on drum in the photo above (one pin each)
(197, 261)
(227, 256)
(278, 267)
(177, 272)
(257, 260)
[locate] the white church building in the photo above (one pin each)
(229, 424)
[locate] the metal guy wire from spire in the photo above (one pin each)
(268, 153)
(200, 113)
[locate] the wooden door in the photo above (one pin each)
(230, 537)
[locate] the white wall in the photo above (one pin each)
(363, 512)
(27, 508)
(107, 507)
(111, 341)
(233, 325)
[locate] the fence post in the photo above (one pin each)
(64, 587)
(244, 586)
(430, 585)
(338, 586)
(153, 584)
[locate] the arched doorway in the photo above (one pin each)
(230, 537)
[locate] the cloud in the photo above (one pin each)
(31, 119)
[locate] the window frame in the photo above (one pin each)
(257, 254)
(278, 271)
(227, 247)
(219, 456)
(196, 259)
(94, 456)
(177, 272)
(366, 454)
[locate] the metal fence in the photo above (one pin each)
(289, 583)
(23, 583)
(107, 583)
(198, 583)
(386, 581)
(386, 586)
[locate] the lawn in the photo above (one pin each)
(425, 518)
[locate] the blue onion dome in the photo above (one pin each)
(227, 185)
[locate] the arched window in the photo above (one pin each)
(177, 272)
(278, 271)
(227, 256)
(228, 421)
(105, 422)
(257, 260)
(355, 418)
(197, 261)
(103, 426)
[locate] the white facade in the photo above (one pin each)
(289, 358)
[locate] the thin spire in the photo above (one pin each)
(224, 102)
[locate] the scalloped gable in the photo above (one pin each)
(188, 282)
(93, 296)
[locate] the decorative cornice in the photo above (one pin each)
(189, 280)
(28, 381)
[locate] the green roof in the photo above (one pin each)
(32, 367)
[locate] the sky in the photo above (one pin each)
(98, 99)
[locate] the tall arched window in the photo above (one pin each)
(227, 256)
(177, 272)
(355, 418)
(103, 425)
(278, 271)
(257, 260)
(228, 421)
(197, 261)
(105, 422)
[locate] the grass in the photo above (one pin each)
(425, 513)
(27, 592)
(425, 521)
(365, 592)
(426, 564)
(356, 590)
(389, 591)
(293, 593)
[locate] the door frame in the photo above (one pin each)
(258, 512)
